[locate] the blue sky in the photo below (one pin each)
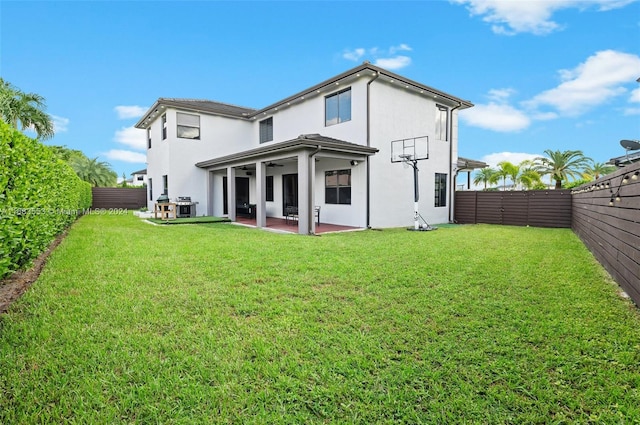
(543, 74)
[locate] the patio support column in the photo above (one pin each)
(231, 193)
(304, 197)
(261, 191)
(312, 194)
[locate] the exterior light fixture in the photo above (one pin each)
(617, 198)
(611, 202)
(635, 175)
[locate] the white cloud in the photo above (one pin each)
(60, 124)
(126, 112)
(497, 115)
(126, 156)
(593, 82)
(385, 58)
(493, 159)
(353, 55)
(402, 47)
(512, 17)
(393, 63)
(132, 137)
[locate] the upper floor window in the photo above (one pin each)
(337, 107)
(148, 138)
(165, 185)
(266, 130)
(442, 119)
(164, 126)
(188, 126)
(151, 189)
(441, 190)
(337, 187)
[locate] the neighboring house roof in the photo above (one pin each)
(312, 141)
(140, 172)
(620, 161)
(232, 111)
(465, 164)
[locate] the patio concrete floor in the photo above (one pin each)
(291, 226)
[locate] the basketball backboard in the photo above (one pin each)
(413, 149)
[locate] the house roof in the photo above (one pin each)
(470, 164)
(312, 141)
(140, 172)
(196, 105)
(233, 111)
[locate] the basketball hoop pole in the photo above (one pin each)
(416, 193)
(410, 151)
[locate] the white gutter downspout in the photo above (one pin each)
(451, 173)
(311, 206)
(368, 193)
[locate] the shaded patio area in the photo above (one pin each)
(291, 226)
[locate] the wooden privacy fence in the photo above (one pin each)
(540, 208)
(606, 217)
(119, 197)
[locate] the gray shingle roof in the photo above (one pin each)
(303, 141)
(208, 106)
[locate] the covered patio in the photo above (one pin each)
(238, 182)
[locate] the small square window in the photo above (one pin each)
(188, 126)
(337, 187)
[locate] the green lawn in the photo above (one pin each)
(216, 323)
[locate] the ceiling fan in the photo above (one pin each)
(273, 164)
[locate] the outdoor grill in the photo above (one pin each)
(185, 206)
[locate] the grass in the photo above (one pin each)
(216, 323)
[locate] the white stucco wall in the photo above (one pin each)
(176, 157)
(395, 114)
(401, 114)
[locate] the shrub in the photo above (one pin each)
(40, 196)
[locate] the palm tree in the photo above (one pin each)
(562, 165)
(484, 175)
(24, 110)
(528, 177)
(597, 169)
(98, 173)
(507, 169)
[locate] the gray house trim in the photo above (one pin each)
(353, 73)
(239, 112)
(311, 141)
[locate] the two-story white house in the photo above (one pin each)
(329, 146)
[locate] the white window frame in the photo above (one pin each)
(187, 124)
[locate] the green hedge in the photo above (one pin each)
(40, 196)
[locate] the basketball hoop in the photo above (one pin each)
(409, 152)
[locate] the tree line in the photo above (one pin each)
(560, 166)
(26, 111)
